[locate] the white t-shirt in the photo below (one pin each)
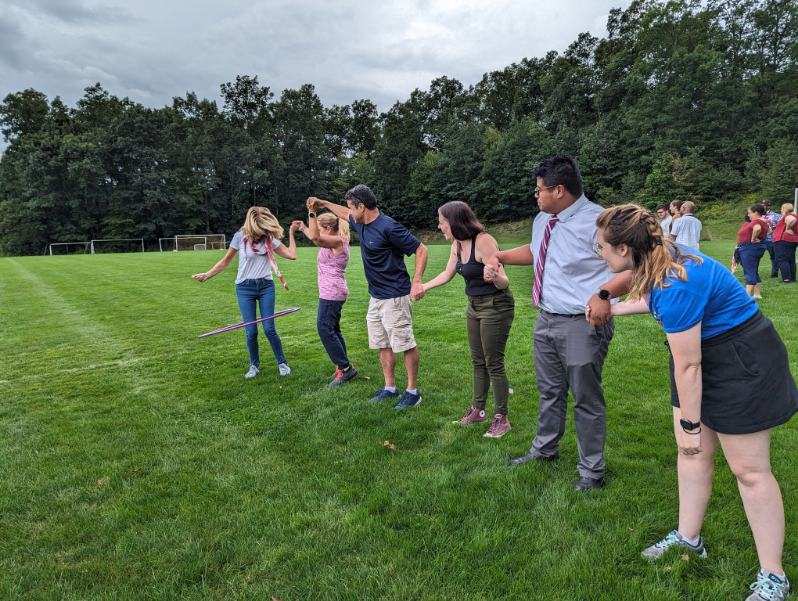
(665, 224)
(687, 230)
(253, 262)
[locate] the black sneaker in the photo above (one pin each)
(342, 376)
(408, 400)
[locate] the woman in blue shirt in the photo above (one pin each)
(730, 381)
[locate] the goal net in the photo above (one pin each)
(200, 242)
(165, 244)
(116, 245)
(69, 248)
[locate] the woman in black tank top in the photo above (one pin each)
(490, 312)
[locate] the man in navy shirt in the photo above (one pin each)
(384, 243)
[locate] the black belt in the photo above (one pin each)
(569, 315)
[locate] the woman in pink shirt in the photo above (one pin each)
(332, 236)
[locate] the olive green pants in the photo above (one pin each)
(489, 319)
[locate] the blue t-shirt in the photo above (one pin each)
(383, 245)
(710, 294)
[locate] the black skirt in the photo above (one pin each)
(747, 385)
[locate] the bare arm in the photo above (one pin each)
(445, 276)
(417, 289)
(220, 266)
(600, 310)
(487, 248)
(789, 223)
(520, 255)
(631, 307)
(755, 232)
(686, 350)
(340, 211)
(315, 235)
(288, 252)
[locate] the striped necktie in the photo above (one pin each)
(540, 264)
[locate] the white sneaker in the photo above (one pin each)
(253, 371)
(284, 369)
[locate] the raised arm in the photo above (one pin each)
(220, 266)
(288, 252)
(315, 235)
(445, 276)
(340, 211)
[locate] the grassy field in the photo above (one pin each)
(137, 463)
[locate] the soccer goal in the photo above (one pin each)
(167, 244)
(116, 245)
(200, 241)
(69, 248)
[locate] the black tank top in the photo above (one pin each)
(473, 272)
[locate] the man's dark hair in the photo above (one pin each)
(758, 209)
(561, 170)
(362, 195)
(462, 220)
(663, 207)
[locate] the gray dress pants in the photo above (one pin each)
(569, 354)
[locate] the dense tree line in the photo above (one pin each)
(682, 99)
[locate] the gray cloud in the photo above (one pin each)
(152, 50)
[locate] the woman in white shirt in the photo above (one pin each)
(256, 243)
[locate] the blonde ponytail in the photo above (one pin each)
(655, 257)
(260, 225)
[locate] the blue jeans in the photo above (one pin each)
(250, 293)
(750, 255)
(328, 323)
(774, 262)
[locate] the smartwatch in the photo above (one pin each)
(604, 294)
(312, 214)
(688, 426)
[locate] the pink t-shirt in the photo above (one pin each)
(331, 270)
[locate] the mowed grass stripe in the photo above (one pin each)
(219, 488)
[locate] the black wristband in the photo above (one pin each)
(311, 215)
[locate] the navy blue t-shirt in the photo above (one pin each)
(383, 245)
(710, 294)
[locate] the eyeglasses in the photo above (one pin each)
(538, 189)
(598, 249)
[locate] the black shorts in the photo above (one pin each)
(747, 385)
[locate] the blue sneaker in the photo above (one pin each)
(769, 587)
(408, 400)
(382, 394)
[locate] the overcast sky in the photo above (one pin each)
(152, 50)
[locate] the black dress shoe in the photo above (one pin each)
(585, 484)
(532, 456)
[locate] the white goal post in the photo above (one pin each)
(200, 242)
(139, 243)
(67, 245)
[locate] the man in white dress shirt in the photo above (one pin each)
(569, 352)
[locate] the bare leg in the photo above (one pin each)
(388, 362)
(695, 480)
(748, 456)
(411, 365)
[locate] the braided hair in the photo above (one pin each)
(654, 256)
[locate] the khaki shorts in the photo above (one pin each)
(390, 324)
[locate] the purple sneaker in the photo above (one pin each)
(498, 427)
(471, 416)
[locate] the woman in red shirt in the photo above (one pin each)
(751, 242)
(785, 241)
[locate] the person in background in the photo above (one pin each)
(687, 229)
(490, 311)
(751, 244)
(332, 237)
(384, 243)
(785, 241)
(674, 210)
(665, 219)
(730, 383)
(256, 243)
(772, 218)
(735, 260)
(568, 352)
